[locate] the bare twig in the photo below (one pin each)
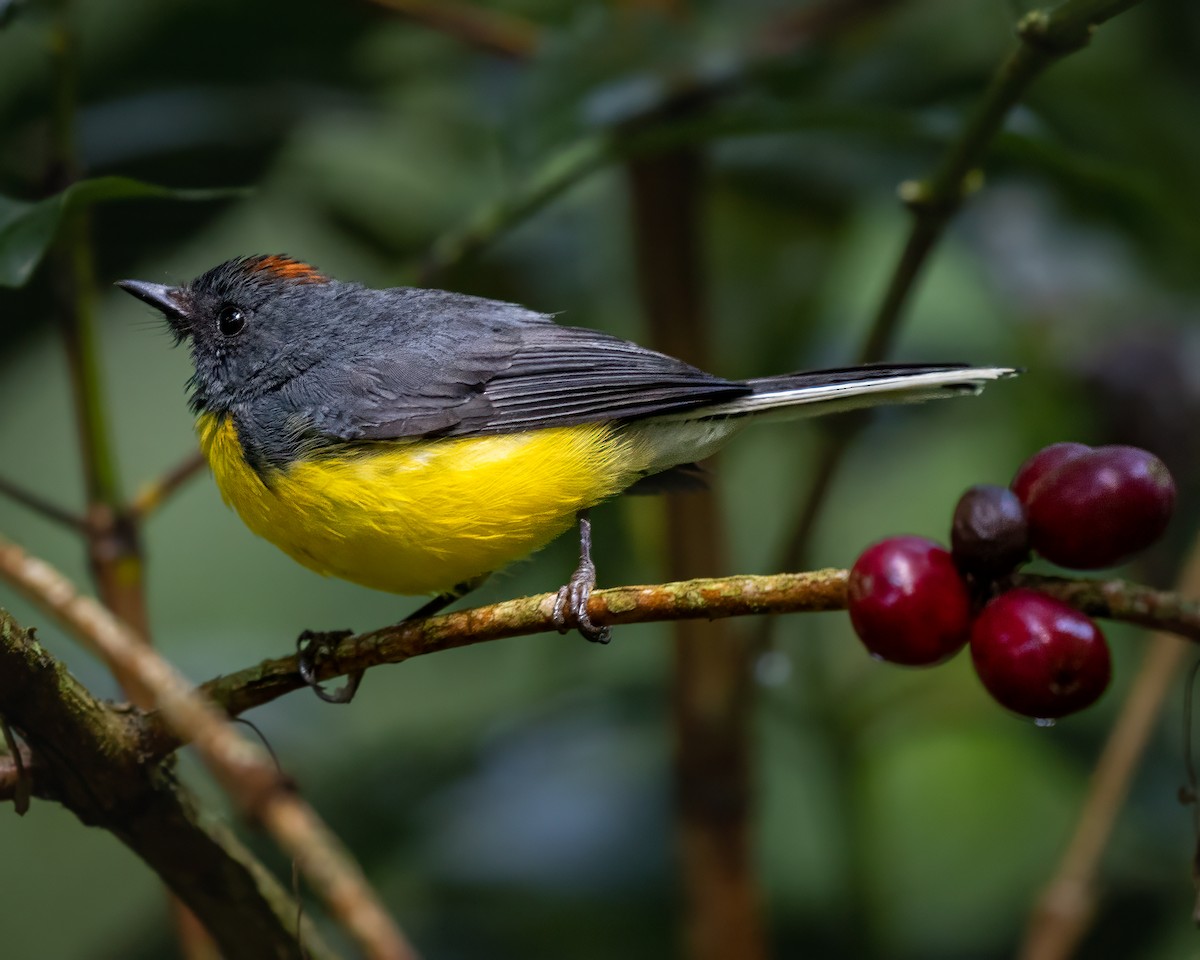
(1122, 600)
(1067, 904)
(40, 505)
(1045, 36)
(114, 551)
(647, 132)
(494, 32)
(242, 768)
(155, 493)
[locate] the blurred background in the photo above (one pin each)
(514, 799)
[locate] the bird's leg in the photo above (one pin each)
(312, 647)
(570, 607)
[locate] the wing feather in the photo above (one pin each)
(448, 365)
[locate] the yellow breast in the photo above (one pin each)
(420, 516)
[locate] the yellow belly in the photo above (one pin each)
(420, 517)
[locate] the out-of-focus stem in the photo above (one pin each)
(1065, 909)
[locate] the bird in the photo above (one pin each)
(416, 440)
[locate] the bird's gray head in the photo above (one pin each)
(253, 324)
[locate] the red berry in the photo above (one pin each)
(989, 536)
(908, 603)
(1039, 657)
(1041, 464)
(1100, 507)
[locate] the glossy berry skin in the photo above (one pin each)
(1042, 464)
(1099, 508)
(989, 536)
(908, 603)
(1037, 656)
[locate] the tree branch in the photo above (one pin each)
(155, 493)
(86, 755)
(1066, 906)
(712, 694)
(1044, 36)
(502, 34)
(243, 769)
(706, 599)
(39, 505)
(1122, 600)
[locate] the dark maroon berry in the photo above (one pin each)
(908, 602)
(1043, 463)
(1039, 657)
(989, 536)
(1100, 507)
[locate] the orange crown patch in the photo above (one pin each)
(285, 268)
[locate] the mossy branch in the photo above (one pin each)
(739, 596)
(243, 769)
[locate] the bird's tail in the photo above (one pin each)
(666, 441)
(819, 392)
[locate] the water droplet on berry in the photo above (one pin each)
(1024, 645)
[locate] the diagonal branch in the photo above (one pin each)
(502, 34)
(155, 493)
(85, 754)
(242, 768)
(39, 505)
(1044, 37)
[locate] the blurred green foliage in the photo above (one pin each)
(514, 799)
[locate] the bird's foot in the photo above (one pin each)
(313, 647)
(571, 604)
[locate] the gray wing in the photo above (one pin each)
(457, 366)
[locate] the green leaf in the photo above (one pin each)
(28, 229)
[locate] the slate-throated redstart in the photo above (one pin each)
(415, 440)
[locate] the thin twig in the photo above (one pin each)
(494, 32)
(647, 132)
(114, 552)
(1045, 36)
(1067, 904)
(39, 505)
(155, 493)
(1122, 600)
(243, 769)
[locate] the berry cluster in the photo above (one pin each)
(913, 602)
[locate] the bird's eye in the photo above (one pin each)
(230, 320)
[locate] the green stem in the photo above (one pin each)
(77, 288)
(79, 330)
(563, 171)
(1044, 36)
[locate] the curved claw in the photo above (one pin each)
(312, 647)
(571, 605)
